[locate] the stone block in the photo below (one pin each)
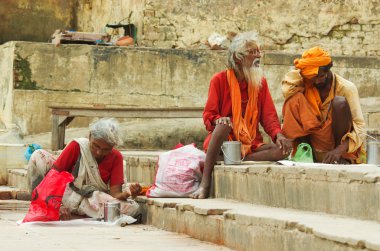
(246, 226)
(5, 195)
(356, 27)
(374, 120)
(149, 13)
(23, 195)
(11, 157)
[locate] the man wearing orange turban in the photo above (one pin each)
(238, 100)
(323, 109)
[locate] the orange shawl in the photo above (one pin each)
(244, 128)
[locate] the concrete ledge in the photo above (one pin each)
(14, 205)
(335, 189)
(8, 193)
(11, 156)
(352, 191)
(140, 166)
(18, 178)
(244, 226)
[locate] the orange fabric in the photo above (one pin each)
(144, 189)
(309, 64)
(299, 121)
(311, 60)
(244, 128)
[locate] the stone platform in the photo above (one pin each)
(267, 206)
(245, 226)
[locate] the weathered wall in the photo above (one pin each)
(6, 85)
(343, 27)
(81, 75)
(35, 20)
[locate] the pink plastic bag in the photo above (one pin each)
(47, 197)
(179, 172)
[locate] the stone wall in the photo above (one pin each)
(343, 27)
(35, 20)
(38, 75)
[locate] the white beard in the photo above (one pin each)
(254, 74)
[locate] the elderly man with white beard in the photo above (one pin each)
(238, 100)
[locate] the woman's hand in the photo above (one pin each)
(135, 189)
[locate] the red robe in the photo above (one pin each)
(219, 105)
(110, 168)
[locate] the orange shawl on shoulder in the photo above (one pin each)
(244, 128)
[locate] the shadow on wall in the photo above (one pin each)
(159, 134)
(35, 20)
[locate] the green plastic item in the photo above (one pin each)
(304, 153)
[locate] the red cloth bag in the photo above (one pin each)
(47, 197)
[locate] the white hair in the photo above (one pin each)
(239, 47)
(106, 129)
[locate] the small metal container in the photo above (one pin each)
(231, 152)
(111, 211)
(373, 152)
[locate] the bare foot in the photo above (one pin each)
(201, 193)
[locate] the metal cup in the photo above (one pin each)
(111, 211)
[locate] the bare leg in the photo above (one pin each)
(268, 152)
(219, 135)
(341, 121)
(39, 165)
(341, 118)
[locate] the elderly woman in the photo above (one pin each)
(98, 171)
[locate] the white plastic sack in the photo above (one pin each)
(217, 41)
(179, 173)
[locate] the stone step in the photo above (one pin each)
(14, 205)
(18, 178)
(245, 226)
(140, 166)
(350, 190)
(8, 192)
(13, 193)
(11, 156)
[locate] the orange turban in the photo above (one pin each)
(311, 60)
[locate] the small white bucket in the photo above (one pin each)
(231, 152)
